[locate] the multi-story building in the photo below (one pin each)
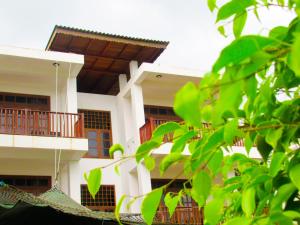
(68, 104)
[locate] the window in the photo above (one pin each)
(32, 184)
(154, 111)
(22, 101)
(97, 125)
(104, 199)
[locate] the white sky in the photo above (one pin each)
(187, 24)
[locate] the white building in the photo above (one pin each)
(108, 91)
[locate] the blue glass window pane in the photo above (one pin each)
(92, 143)
(93, 152)
(106, 151)
(92, 134)
(104, 135)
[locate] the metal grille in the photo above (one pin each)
(96, 119)
(104, 199)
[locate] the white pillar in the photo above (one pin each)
(137, 104)
(133, 68)
(71, 93)
(74, 181)
(122, 81)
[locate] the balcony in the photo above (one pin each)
(41, 123)
(147, 129)
(35, 134)
(182, 215)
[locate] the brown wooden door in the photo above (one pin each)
(99, 142)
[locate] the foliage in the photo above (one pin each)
(251, 93)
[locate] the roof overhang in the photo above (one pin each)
(106, 56)
(37, 63)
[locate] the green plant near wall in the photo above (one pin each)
(240, 98)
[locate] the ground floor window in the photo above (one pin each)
(105, 199)
(32, 184)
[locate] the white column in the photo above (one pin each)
(122, 81)
(137, 104)
(71, 93)
(133, 67)
(74, 180)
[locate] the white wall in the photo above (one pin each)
(35, 86)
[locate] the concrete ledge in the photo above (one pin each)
(10, 145)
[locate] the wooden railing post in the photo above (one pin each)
(82, 125)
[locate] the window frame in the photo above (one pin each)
(17, 105)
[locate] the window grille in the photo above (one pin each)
(104, 199)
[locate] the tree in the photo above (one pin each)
(251, 93)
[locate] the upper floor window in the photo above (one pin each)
(159, 111)
(24, 101)
(97, 126)
(104, 199)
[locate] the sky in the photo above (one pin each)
(188, 24)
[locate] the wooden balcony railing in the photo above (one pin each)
(182, 215)
(41, 123)
(147, 129)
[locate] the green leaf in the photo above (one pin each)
(118, 207)
(238, 221)
(171, 202)
(278, 32)
(251, 87)
(94, 181)
(239, 23)
(213, 211)
(145, 148)
(149, 162)
(201, 186)
(187, 104)
(240, 50)
(283, 194)
(150, 205)
(212, 142)
(263, 147)
(295, 175)
(273, 136)
(170, 159)
(116, 168)
(181, 142)
(211, 4)
(165, 128)
(215, 163)
(295, 55)
(222, 31)
(292, 214)
(248, 201)
(115, 148)
(248, 143)
(231, 131)
(233, 7)
(276, 163)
